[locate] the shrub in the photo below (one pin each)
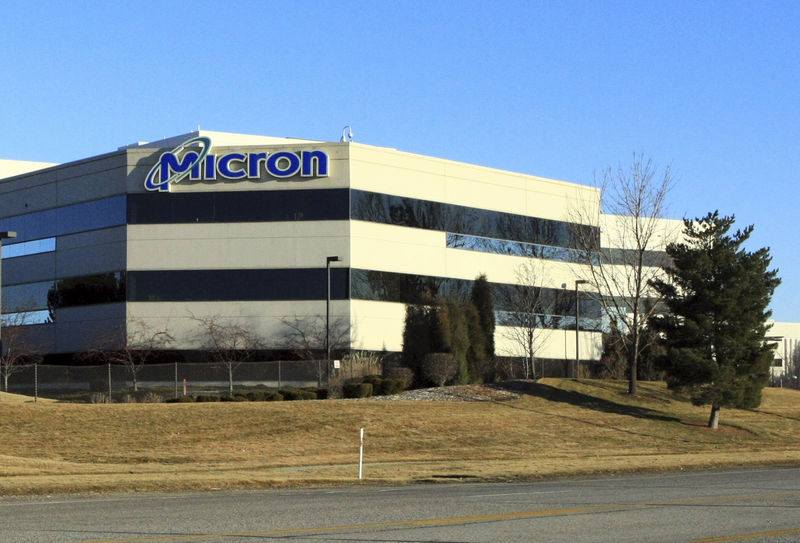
(206, 398)
(151, 397)
(377, 383)
(439, 368)
(234, 398)
(322, 393)
(273, 396)
(181, 399)
(292, 394)
(355, 389)
(406, 375)
(372, 379)
(392, 386)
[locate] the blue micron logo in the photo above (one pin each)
(192, 160)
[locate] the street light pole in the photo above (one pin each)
(577, 326)
(328, 261)
(3, 235)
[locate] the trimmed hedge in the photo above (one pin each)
(180, 399)
(291, 394)
(357, 390)
(380, 386)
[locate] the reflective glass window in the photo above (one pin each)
(556, 308)
(27, 318)
(35, 247)
(236, 285)
(401, 211)
(515, 248)
(73, 291)
(67, 219)
(26, 297)
(239, 206)
(87, 290)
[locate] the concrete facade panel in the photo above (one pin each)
(236, 245)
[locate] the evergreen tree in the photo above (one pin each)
(717, 295)
(484, 303)
(476, 355)
(453, 321)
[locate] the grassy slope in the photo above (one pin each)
(558, 427)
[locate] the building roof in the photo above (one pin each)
(10, 168)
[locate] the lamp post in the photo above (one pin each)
(328, 261)
(3, 235)
(577, 326)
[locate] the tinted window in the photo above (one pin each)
(400, 211)
(26, 248)
(558, 305)
(68, 219)
(87, 290)
(249, 206)
(236, 285)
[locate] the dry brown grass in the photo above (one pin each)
(556, 427)
(8, 397)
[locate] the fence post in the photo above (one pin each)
(109, 382)
(279, 374)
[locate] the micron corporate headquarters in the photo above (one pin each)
(243, 228)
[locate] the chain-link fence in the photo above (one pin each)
(168, 380)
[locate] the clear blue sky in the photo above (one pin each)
(555, 89)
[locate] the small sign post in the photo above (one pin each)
(361, 455)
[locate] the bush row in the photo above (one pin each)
(372, 385)
(255, 396)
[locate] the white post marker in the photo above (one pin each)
(361, 455)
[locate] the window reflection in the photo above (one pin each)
(236, 285)
(400, 211)
(67, 219)
(514, 248)
(27, 318)
(26, 297)
(556, 307)
(103, 288)
(26, 248)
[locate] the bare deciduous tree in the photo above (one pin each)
(791, 375)
(227, 342)
(305, 337)
(633, 202)
(527, 311)
(18, 349)
(132, 346)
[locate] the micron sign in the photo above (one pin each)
(192, 160)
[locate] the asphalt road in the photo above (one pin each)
(709, 506)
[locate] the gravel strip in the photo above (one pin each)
(461, 393)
